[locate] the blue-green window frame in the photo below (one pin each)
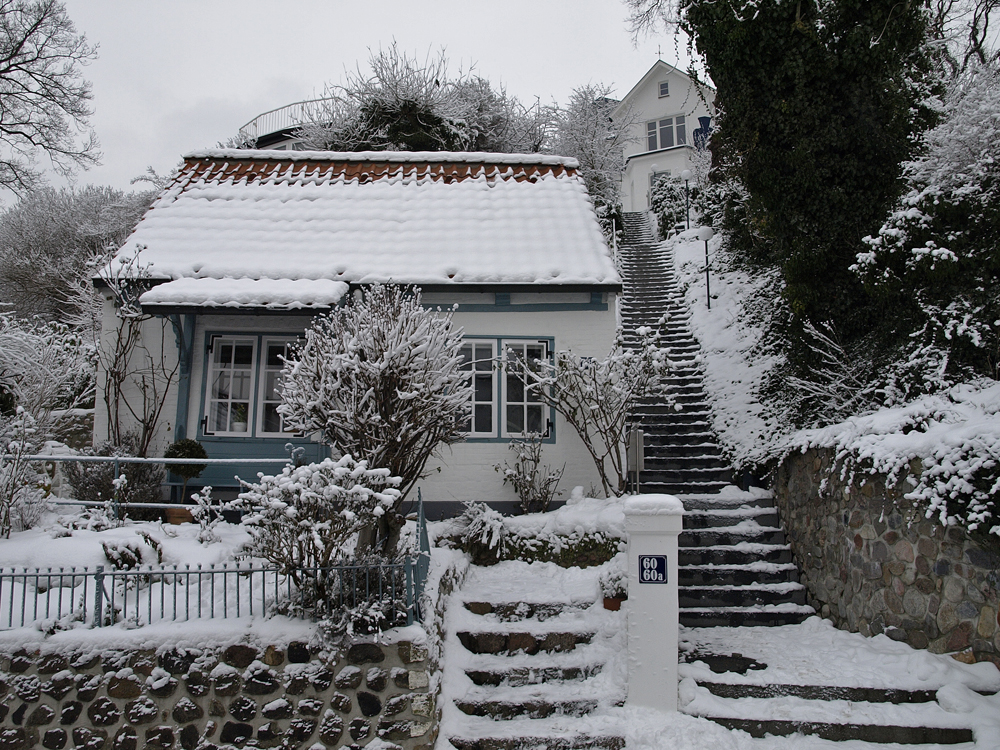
(498, 401)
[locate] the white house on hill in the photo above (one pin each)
(244, 247)
(672, 116)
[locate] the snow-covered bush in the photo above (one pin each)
(481, 532)
(96, 482)
(369, 599)
(614, 579)
(597, 397)
(935, 261)
(943, 449)
(207, 515)
(21, 497)
(535, 484)
(306, 517)
(669, 201)
(45, 366)
(380, 379)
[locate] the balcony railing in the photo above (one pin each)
(283, 118)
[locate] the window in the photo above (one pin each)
(523, 410)
(664, 89)
(241, 398)
(230, 385)
(666, 133)
(502, 407)
(479, 360)
(269, 421)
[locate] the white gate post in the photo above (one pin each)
(652, 523)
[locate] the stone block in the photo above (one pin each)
(235, 733)
(422, 704)
(103, 712)
(321, 679)
(961, 637)
(42, 715)
(243, 709)
(186, 711)
(349, 678)
(277, 709)
(89, 739)
(27, 688)
(160, 738)
(298, 652)
(411, 653)
(87, 687)
(359, 729)
(525, 642)
(903, 551)
(953, 589)
(365, 653)
(914, 603)
(177, 661)
(341, 702)
(59, 686)
(297, 684)
(55, 739)
(70, 712)
(376, 679)
(15, 739)
(126, 739)
(52, 663)
(190, 737)
(124, 687)
(300, 730)
(141, 711)
(418, 680)
(215, 708)
(368, 703)
(947, 618)
(331, 728)
(309, 707)
(273, 656)
(987, 624)
(261, 681)
(268, 734)
(925, 585)
(927, 547)
(240, 656)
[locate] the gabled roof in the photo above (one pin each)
(657, 69)
(420, 218)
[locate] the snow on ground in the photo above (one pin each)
(54, 544)
(734, 364)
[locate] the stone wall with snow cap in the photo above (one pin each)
(238, 696)
(872, 564)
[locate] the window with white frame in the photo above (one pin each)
(666, 133)
(502, 405)
(241, 397)
(273, 353)
(479, 360)
(230, 385)
(664, 89)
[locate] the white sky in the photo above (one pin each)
(180, 75)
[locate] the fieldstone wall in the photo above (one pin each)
(873, 565)
(239, 696)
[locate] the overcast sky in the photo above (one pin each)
(177, 75)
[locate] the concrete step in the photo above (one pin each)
(728, 555)
(707, 519)
(737, 575)
(519, 676)
(876, 733)
(529, 643)
(741, 596)
(750, 617)
(734, 536)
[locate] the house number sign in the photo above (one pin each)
(652, 568)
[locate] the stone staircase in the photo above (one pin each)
(735, 567)
(530, 674)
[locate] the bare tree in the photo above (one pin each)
(584, 130)
(44, 99)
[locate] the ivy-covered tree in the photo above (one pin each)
(936, 260)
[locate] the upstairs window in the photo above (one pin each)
(666, 133)
(664, 89)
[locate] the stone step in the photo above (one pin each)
(875, 733)
(728, 555)
(520, 676)
(737, 575)
(741, 596)
(517, 611)
(529, 643)
(689, 449)
(704, 519)
(820, 692)
(680, 488)
(538, 708)
(723, 537)
(710, 503)
(670, 462)
(737, 617)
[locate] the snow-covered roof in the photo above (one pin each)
(271, 294)
(416, 218)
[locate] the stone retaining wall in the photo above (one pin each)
(239, 696)
(872, 565)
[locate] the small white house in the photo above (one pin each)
(673, 116)
(244, 247)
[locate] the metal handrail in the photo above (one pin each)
(290, 115)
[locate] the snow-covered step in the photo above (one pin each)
(735, 595)
(761, 615)
(737, 575)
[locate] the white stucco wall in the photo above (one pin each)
(646, 105)
(464, 471)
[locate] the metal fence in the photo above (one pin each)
(149, 595)
(146, 595)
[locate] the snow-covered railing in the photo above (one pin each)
(59, 598)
